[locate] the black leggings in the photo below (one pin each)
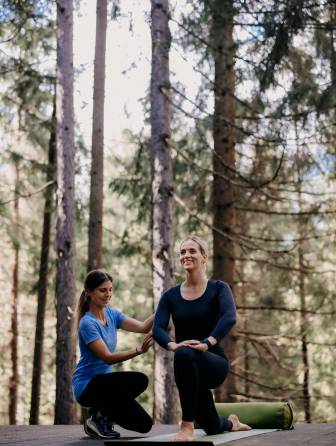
(195, 374)
(113, 394)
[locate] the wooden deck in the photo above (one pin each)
(302, 435)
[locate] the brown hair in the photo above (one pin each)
(93, 279)
(203, 246)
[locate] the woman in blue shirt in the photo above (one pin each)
(203, 312)
(111, 396)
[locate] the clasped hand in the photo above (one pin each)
(192, 343)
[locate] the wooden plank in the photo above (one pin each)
(302, 435)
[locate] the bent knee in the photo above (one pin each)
(142, 380)
(185, 354)
(146, 427)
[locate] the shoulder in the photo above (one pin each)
(220, 286)
(171, 293)
(87, 326)
(116, 315)
(113, 313)
(87, 321)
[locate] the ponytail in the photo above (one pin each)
(83, 306)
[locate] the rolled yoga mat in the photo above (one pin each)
(260, 415)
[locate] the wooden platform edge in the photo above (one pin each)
(157, 443)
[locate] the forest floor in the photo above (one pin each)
(301, 435)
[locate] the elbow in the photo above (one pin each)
(155, 332)
(232, 323)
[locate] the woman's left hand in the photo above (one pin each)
(196, 345)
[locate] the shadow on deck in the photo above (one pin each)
(302, 435)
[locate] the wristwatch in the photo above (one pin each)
(207, 342)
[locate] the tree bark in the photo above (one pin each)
(165, 394)
(224, 216)
(14, 379)
(95, 244)
(304, 321)
(43, 277)
(65, 228)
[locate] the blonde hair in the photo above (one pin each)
(203, 246)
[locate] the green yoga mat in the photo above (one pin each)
(261, 415)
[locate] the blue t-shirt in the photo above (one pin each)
(90, 329)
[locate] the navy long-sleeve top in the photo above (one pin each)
(212, 314)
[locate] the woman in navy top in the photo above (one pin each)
(203, 312)
(109, 395)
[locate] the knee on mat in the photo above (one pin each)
(222, 426)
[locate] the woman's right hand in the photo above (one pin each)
(146, 343)
(173, 346)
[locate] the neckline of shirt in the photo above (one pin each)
(101, 323)
(194, 298)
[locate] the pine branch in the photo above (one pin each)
(295, 214)
(247, 334)
(262, 385)
(282, 240)
(285, 309)
(235, 240)
(29, 194)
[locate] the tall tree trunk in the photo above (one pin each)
(165, 395)
(303, 325)
(14, 379)
(43, 276)
(224, 155)
(97, 163)
(304, 322)
(65, 228)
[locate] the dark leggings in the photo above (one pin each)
(113, 394)
(195, 374)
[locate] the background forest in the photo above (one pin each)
(210, 117)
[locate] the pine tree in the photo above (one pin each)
(43, 275)
(162, 183)
(97, 161)
(224, 218)
(65, 229)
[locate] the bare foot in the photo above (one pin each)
(186, 432)
(237, 425)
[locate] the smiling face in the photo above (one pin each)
(191, 257)
(101, 295)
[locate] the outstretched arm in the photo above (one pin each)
(100, 349)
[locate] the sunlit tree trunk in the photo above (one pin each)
(65, 228)
(43, 277)
(165, 395)
(224, 155)
(304, 322)
(303, 325)
(97, 162)
(14, 342)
